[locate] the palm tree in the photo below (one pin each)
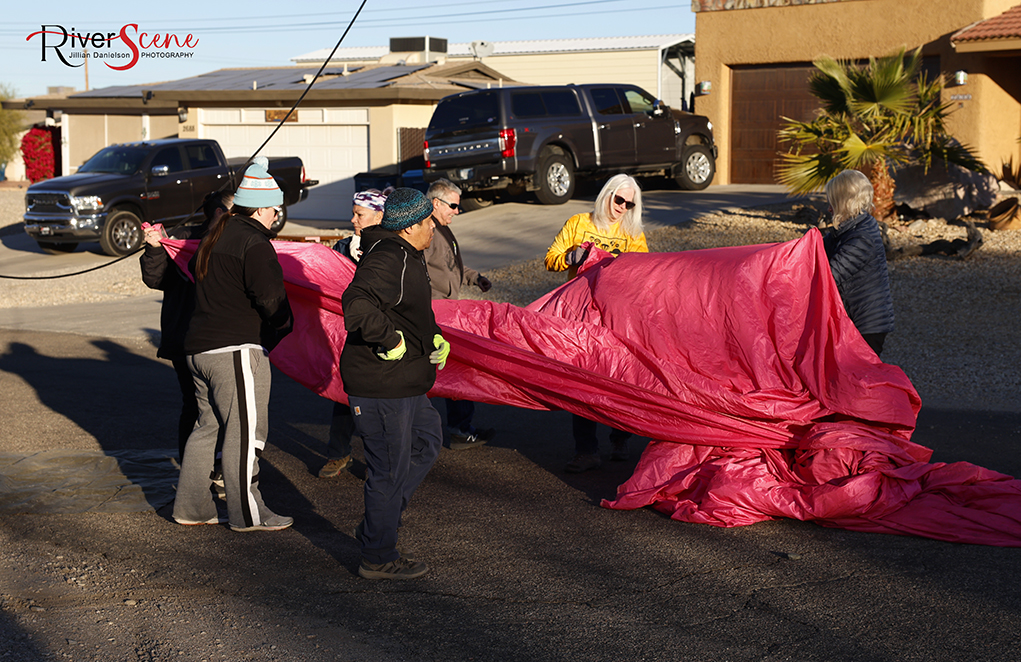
(873, 117)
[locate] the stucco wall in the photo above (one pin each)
(162, 126)
(85, 135)
(383, 124)
(853, 29)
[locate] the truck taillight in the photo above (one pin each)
(508, 139)
(303, 177)
(425, 153)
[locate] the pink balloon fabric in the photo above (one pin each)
(761, 397)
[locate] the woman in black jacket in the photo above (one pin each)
(858, 259)
(241, 314)
(160, 273)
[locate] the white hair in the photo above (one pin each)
(631, 222)
(437, 188)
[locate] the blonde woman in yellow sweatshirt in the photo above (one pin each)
(615, 226)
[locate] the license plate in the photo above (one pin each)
(46, 230)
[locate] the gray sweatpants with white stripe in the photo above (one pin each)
(233, 395)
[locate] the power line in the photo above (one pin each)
(428, 17)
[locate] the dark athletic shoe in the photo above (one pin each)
(583, 462)
(462, 442)
(402, 568)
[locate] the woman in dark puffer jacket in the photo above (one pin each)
(858, 259)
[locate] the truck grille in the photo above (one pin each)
(47, 203)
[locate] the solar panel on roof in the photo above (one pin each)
(278, 79)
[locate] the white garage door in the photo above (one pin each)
(332, 143)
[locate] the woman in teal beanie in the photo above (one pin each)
(241, 313)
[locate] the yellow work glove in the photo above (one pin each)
(396, 353)
(442, 351)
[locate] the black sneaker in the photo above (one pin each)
(462, 442)
(402, 568)
(620, 451)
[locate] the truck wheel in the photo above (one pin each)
(472, 203)
(122, 233)
(555, 179)
(278, 224)
(697, 168)
(57, 248)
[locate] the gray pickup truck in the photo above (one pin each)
(158, 181)
(539, 138)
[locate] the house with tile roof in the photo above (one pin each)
(755, 57)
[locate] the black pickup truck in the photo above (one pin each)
(158, 181)
(536, 138)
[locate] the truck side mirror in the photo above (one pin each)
(658, 108)
(160, 171)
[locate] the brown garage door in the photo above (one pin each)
(762, 95)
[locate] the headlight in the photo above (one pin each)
(87, 202)
(710, 124)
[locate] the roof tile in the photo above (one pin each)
(1005, 26)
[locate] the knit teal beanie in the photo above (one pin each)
(405, 207)
(258, 188)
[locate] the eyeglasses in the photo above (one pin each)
(279, 210)
(452, 205)
(617, 200)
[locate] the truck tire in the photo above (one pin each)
(122, 233)
(281, 221)
(57, 248)
(472, 203)
(697, 168)
(555, 179)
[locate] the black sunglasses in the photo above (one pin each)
(452, 205)
(617, 200)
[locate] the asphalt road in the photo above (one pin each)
(525, 564)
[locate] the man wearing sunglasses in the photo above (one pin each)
(448, 275)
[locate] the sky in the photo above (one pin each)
(262, 33)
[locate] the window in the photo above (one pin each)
(170, 157)
(639, 102)
(465, 111)
(607, 102)
(527, 104)
(116, 159)
(201, 156)
(561, 102)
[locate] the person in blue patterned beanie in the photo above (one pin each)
(366, 211)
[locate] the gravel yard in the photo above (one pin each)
(954, 317)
